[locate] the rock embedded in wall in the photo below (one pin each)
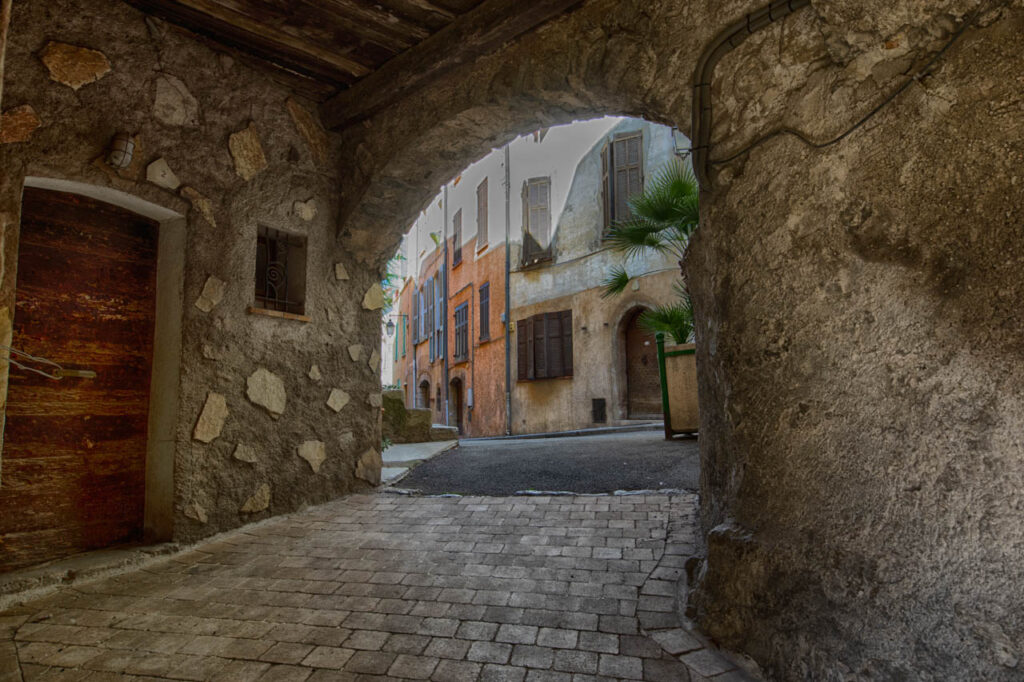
(314, 373)
(374, 361)
(311, 130)
(74, 66)
(18, 124)
(174, 105)
(314, 452)
(247, 152)
(369, 465)
(196, 512)
(258, 502)
(355, 351)
(211, 295)
(266, 389)
(338, 399)
(375, 400)
(212, 418)
(161, 175)
(306, 210)
(201, 204)
(245, 453)
(374, 298)
(340, 273)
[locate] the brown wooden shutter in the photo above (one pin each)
(485, 311)
(635, 165)
(566, 342)
(540, 347)
(606, 188)
(482, 222)
(524, 347)
(553, 326)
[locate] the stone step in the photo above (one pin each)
(442, 432)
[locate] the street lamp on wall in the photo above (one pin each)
(391, 327)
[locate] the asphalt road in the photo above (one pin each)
(641, 460)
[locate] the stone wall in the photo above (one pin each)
(291, 407)
(858, 332)
(860, 354)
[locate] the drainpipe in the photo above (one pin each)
(443, 346)
(508, 293)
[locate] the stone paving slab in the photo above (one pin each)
(389, 587)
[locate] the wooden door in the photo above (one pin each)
(74, 450)
(643, 384)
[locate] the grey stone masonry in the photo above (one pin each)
(399, 587)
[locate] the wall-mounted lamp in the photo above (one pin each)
(391, 327)
(121, 150)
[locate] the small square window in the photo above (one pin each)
(280, 271)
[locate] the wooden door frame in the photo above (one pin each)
(158, 518)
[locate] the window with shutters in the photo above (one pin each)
(417, 302)
(439, 312)
(622, 174)
(482, 237)
(428, 326)
(457, 238)
(536, 220)
(461, 333)
(485, 311)
(544, 346)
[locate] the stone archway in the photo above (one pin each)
(841, 333)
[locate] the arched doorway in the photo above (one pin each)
(457, 403)
(424, 397)
(643, 385)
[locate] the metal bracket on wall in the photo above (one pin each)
(727, 40)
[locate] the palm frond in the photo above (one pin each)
(666, 198)
(675, 319)
(616, 282)
(635, 236)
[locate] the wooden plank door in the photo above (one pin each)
(74, 450)
(642, 379)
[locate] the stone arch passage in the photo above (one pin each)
(859, 364)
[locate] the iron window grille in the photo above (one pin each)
(280, 271)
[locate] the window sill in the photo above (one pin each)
(456, 265)
(459, 361)
(532, 381)
(482, 247)
(253, 310)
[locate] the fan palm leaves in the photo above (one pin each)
(664, 217)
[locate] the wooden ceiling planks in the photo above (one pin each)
(366, 53)
(333, 42)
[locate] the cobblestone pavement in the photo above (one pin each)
(389, 587)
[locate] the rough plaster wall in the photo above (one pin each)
(598, 332)
(859, 333)
(859, 357)
(220, 348)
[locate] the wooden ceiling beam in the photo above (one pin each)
(477, 33)
(374, 24)
(423, 11)
(264, 40)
